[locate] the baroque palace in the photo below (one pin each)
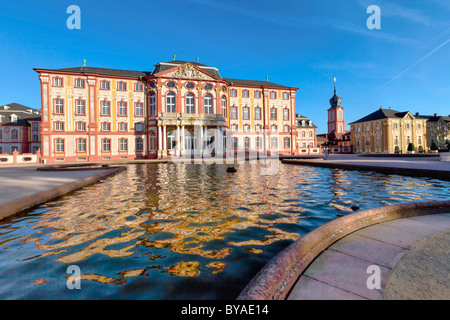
(179, 109)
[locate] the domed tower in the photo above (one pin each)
(336, 120)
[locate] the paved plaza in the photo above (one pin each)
(411, 254)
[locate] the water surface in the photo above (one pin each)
(182, 231)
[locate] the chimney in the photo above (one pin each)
(435, 115)
(417, 114)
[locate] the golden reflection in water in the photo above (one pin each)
(192, 204)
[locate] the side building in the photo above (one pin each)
(438, 130)
(306, 136)
(388, 131)
(178, 109)
(19, 129)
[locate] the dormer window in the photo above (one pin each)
(13, 118)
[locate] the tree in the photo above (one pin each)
(434, 146)
(411, 147)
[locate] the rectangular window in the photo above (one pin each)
(35, 138)
(286, 128)
(106, 145)
(257, 94)
(79, 83)
(287, 143)
(122, 108)
(59, 126)
(246, 128)
(152, 104)
(233, 112)
(245, 93)
(285, 96)
(81, 107)
(274, 142)
(81, 145)
(106, 126)
(139, 127)
(122, 86)
(59, 106)
(139, 109)
(59, 145)
(246, 113)
(247, 143)
(138, 87)
(140, 144)
(285, 114)
(258, 143)
(35, 127)
(106, 108)
(274, 128)
(258, 128)
(104, 85)
(81, 126)
(273, 114)
(257, 113)
(273, 95)
(235, 143)
(122, 126)
(58, 82)
(14, 134)
(234, 127)
(233, 93)
(123, 145)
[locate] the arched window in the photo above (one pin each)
(310, 134)
(170, 102)
(152, 104)
(224, 106)
(190, 103)
(208, 104)
(303, 134)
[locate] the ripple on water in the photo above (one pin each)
(189, 227)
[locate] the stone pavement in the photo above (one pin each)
(21, 181)
(411, 254)
(22, 187)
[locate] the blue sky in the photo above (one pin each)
(301, 43)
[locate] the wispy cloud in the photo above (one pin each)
(414, 64)
(297, 22)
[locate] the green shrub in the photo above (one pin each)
(434, 146)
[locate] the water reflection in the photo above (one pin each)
(189, 221)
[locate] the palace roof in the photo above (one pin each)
(382, 114)
(102, 71)
(164, 66)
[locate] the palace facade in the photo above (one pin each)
(178, 109)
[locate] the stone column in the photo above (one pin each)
(164, 140)
(200, 145)
(178, 146)
(183, 142)
(160, 137)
